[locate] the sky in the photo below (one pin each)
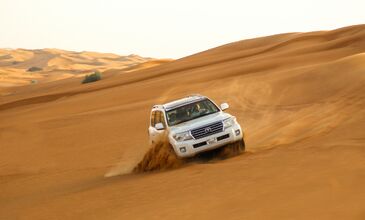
(163, 28)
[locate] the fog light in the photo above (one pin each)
(238, 132)
(182, 149)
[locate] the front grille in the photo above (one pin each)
(207, 130)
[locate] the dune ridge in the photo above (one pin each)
(56, 64)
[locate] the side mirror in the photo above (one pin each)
(224, 106)
(159, 126)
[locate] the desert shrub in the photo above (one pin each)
(34, 69)
(92, 77)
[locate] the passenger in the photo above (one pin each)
(172, 118)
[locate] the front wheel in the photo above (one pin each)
(238, 146)
(232, 149)
(241, 145)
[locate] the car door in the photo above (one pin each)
(156, 134)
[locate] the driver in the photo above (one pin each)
(196, 110)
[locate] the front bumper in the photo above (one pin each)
(192, 147)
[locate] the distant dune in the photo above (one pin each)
(55, 64)
(300, 98)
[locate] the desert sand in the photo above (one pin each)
(56, 64)
(300, 98)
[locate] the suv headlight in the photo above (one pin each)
(229, 122)
(183, 136)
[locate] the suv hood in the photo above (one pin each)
(199, 122)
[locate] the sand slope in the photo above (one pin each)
(299, 96)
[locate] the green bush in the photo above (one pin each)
(34, 69)
(92, 77)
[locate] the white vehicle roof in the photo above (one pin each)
(180, 102)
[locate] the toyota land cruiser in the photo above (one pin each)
(194, 124)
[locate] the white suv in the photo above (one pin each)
(194, 124)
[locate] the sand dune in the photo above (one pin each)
(299, 96)
(59, 64)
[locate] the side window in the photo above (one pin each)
(153, 116)
(163, 119)
(158, 117)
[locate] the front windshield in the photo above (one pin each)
(190, 112)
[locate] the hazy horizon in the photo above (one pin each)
(161, 29)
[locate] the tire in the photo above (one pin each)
(232, 149)
(242, 145)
